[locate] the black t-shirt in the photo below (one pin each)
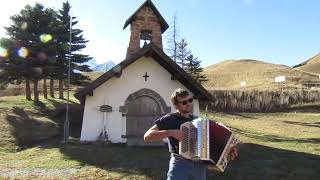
(172, 121)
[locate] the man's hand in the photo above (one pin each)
(178, 134)
(233, 153)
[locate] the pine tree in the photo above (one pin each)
(182, 53)
(25, 33)
(41, 36)
(78, 43)
(194, 69)
(49, 48)
(10, 62)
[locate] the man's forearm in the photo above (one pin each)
(155, 135)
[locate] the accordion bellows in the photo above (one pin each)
(207, 141)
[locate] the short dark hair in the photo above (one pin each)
(178, 93)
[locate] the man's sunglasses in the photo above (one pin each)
(185, 102)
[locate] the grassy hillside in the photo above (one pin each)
(312, 65)
(93, 75)
(227, 75)
(25, 123)
(257, 74)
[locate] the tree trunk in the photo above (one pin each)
(45, 92)
(35, 90)
(61, 89)
(28, 90)
(51, 88)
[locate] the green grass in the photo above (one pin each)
(295, 131)
(273, 146)
(94, 160)
(23, 122)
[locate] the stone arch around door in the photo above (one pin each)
(141, 108)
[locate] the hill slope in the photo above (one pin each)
(257, 74)
(312, 65)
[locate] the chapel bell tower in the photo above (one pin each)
(147, 25)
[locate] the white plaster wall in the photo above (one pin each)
(114, 93)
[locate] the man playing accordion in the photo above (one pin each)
(168, 126)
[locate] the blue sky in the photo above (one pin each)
(276, 31)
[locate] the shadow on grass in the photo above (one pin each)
(273, 138)
(149, 161)
(58, 114)
(309, 108)
(29, 127)
(59, 108)
(29, 131)
(254, 161)
(241, 115)
(310, 124)
(262, 162)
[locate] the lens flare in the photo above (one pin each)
(23, 52)
(3, 52)
(24, 26)
(45, 38)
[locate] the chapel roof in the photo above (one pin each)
(159, 56)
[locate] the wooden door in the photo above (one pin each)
(142, 112)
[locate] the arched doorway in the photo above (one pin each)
(141, 109)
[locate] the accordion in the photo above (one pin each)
(208, 142)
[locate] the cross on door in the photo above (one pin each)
(145, 76)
